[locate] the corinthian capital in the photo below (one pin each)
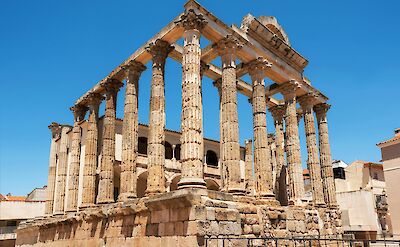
(277, 112)
(55, 129)
(159, 50)
(258, 67)
(321, 109)
(94, 100)
(190, 20)
(112, 86)
(288, 89)
(134, 67)
(228, 45)
(79, 112)
(307, 101)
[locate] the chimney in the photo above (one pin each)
(397, 132)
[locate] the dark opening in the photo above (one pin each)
(211, 158)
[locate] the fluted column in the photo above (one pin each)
(307, 102)
(296, 185)
(262, 165)
(55, 129)
(156, 150)
(325, 154)
(272, 149)
(79, 112)
(192, 149)
(278, 112)
(248, 160)
(223, 170)
(229, 114)
(62, 171)
(128, 177)
(91, 155)
(106, 181)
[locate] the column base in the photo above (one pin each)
(71, 210)
(192, 183)
(126, 196)
(237, 191)
(87, 205)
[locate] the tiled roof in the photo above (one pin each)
(390, 140)
(13, 198)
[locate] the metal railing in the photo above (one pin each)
(298, 242)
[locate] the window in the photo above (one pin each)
(168, 150)
(211, 158)
(375, 175)
(177, 152)
(142, 147)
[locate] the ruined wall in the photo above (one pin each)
(178, 218)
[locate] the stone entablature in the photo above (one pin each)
(113, 162)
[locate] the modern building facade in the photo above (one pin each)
(390, 150)
(15, 209)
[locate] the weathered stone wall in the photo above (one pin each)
(179, 218)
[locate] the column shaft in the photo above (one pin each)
(156, 150)
(325, 155)
(248, 159)
(229, 115)
(306, 103)
(106, 182)
(62, 171)
(91, 155)
(281, 185)
(192, 149)
(73, 183)
(51, 181)
(296, 185)
(128, 177)
(223, 170)
(262, 165)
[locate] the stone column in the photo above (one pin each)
(229, 115)
(156, 150)
(192, 150)
(248, 159)
(325, 154)
(79, 112)
(62, 170)
(262, 165)
(296, 185)
(128, 177)
(223, 170)
(51, 181)
(106, 181)
(278, 112)
(307, 102)
(91, 155)
(272, 149)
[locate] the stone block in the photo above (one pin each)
(166, 229)
(210, 213)
(179, 228)
(152, 229)
(229, 228)
(223, 214)
(256, 229)
(159, 216)
(179, 214)
(250, 219)
(272, 215)
(197, 213)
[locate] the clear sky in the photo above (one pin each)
(54, 51)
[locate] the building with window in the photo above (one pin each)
(361, 195)
(390, 150)
(14, 209)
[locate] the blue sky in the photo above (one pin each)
(54, 51)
